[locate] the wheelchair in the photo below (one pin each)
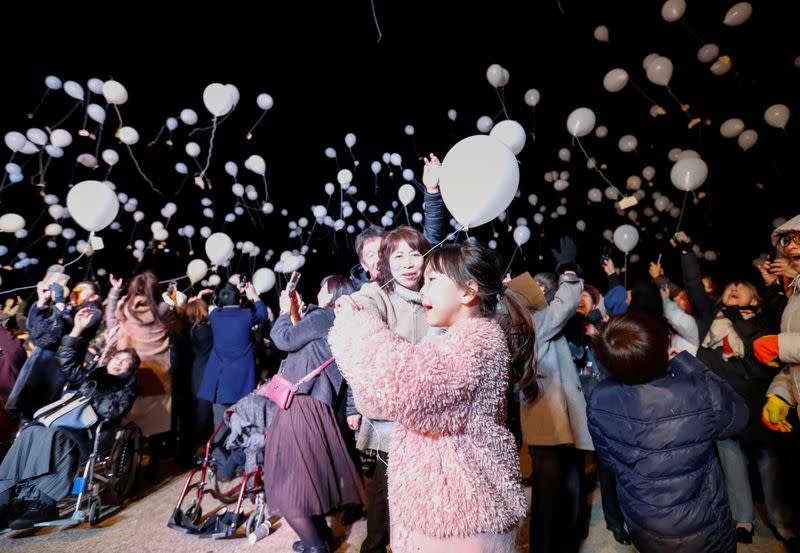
(106, 479)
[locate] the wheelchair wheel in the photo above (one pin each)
(124, 465)
(195, 512)
(93, 515)
(257, 517)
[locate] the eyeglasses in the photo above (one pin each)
(785, 239)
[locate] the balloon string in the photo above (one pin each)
(683, 207)
(502, 103)
(56, 125)
(176, 279)
(249, 134)
(158, 135)
(625, 278)
(76, 259)
(374, 18)
(17, 289)
(266, 191)
(691, 32)
(41, 101)
(135, 161)
(648, 98)
(200, 129)
(512, 261)
(210, 147)
(405, 208)
(446, 238)
(97, 138)
(576, 139)
(678, 101)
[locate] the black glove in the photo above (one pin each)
(732, 312)
(566, 259)
(58, 292)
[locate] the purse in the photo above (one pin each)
(281, 391)
(72, 410)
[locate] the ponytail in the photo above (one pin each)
(515, 319)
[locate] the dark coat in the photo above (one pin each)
(202, 343)
(658, 439)
(12, 357)
(231, 370)
(307, 345)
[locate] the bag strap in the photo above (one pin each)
(315, 372)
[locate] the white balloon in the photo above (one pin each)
(60, 138)
(686, 154)
(68, 233)
(611, 193)
(580, 225)
(673, 10)
(406, 194)
(521, 235)
(188, 116)
(494, 74)
(16, 177)
(564, 154)
(51, 199)
(55, 211)
(196, 270)
(53, 229)
(484, 124)
(264, 101)
(601, 33)
(688, 173)
(659, 71)
(350, 140)
(92, 204)
(21, 233)
(256, 164)
(409, 130)
(330, 153)
(731, 128)
(452, 114)
(88, 160)
(181, 168)
(96, 113)
(188, 230)
(219, 248)
(721, 66)
(128, 135)
(95, 85)
(396, 159)
(74, 90)
(205, 232)
(114, 92)
(673, 154)
(626, 237)
(538, 218)
(11, 222)
(111, 157)
(37, 136)
(263, 280)
(15, 140)
(138, 216)
(747, 139)
(561, 185)
(479, 178)
(601, 131)
(214, 280)
(615, 80)
(52, 82)
(161, 235)
(344, 177)
(233, 94)
(192, 149)
(217, 99)
(532, 97)
(628, 143)
(738, 14)
(633, 182)
(595, 195)
(707, 53)
(777, 116)
(408, 175)
(172, 123)
(376, 167)
(581, 122)
(511, 134)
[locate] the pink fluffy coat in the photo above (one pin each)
(454, 468)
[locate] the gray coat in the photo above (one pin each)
(786, 383)
(558, 415)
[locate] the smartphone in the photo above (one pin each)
(243, 279)
(664, 286)
(293, 281)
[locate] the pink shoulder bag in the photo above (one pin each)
(281, 391)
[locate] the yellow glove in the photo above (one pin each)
(774, 414)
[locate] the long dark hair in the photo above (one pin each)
(338, 286)
(146, 285)
(472, 261)
(391, 240)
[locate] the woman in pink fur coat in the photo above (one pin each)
(454, 482)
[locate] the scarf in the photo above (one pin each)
(723, 335)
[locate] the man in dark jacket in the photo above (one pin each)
(654, 423)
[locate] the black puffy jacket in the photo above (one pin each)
(658, 439)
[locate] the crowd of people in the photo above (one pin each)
(665, 391)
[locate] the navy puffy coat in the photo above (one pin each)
(658, 438)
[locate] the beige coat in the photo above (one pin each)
(130, 323)
(403, 313)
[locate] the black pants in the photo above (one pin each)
(557, 499)
(608, 493)
(378, 509)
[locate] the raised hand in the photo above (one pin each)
(116, 283)
(430, 173)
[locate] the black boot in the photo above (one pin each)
(299, 546)
(42, 510)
